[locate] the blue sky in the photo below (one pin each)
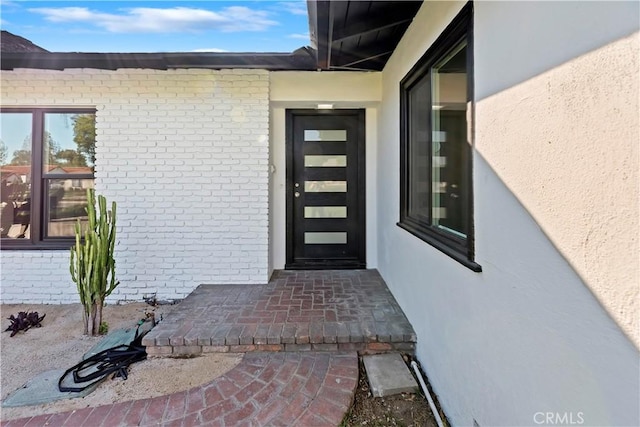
(160, 25)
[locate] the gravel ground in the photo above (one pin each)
(59, 344)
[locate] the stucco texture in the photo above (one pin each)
(565, 143)
(555, 224)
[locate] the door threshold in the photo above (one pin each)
(326, 266)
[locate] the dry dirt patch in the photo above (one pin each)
(403, 410)
(59, 343)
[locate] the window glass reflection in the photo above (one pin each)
(69, 143)
(449, 145)
(15, 164)
(67, 205)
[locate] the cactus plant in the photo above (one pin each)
(92, 261)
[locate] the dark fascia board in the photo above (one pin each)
(321, 29)
(312, 13)
(301, 59)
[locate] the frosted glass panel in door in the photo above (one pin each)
(325, 211)
(325, 161)
(325, 238)
(337, 135)
(325, 186)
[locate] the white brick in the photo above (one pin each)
(173, 149)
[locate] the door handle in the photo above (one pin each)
(296, 194)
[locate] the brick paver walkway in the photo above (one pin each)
(265, 389)
(330, 310)
(301, 333)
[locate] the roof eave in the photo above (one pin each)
(348, 36)
(321, 30)
(300, 60)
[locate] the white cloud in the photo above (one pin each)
(8, 3)
(8, 7)
(295, 7)
(209, 49)
(299, 36)
(168, 20)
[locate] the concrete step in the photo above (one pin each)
(388, 375)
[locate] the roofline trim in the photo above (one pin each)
(302, 59)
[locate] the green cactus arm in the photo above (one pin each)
(111, 250)
(92, 262)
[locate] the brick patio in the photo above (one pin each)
(317, 320)
(265, 389)
(328, 310)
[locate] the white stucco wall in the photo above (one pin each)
(294, 89)
(184, 153)
(582, 128)
(542, 328)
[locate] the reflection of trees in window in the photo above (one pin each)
(51, 147)
(70, 158)
(84, 130)
(21, 157)
(3, 152)
(84, 134)
(46, 192)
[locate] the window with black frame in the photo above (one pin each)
(47, 159)
(436, 181)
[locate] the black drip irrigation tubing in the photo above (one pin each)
(114, 360)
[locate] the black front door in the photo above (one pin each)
(325, 189)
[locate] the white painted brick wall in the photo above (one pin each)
(184, 153)
(36, 277)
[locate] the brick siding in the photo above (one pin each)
(185, 155)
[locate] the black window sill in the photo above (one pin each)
(443, 247)
(27, 245)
